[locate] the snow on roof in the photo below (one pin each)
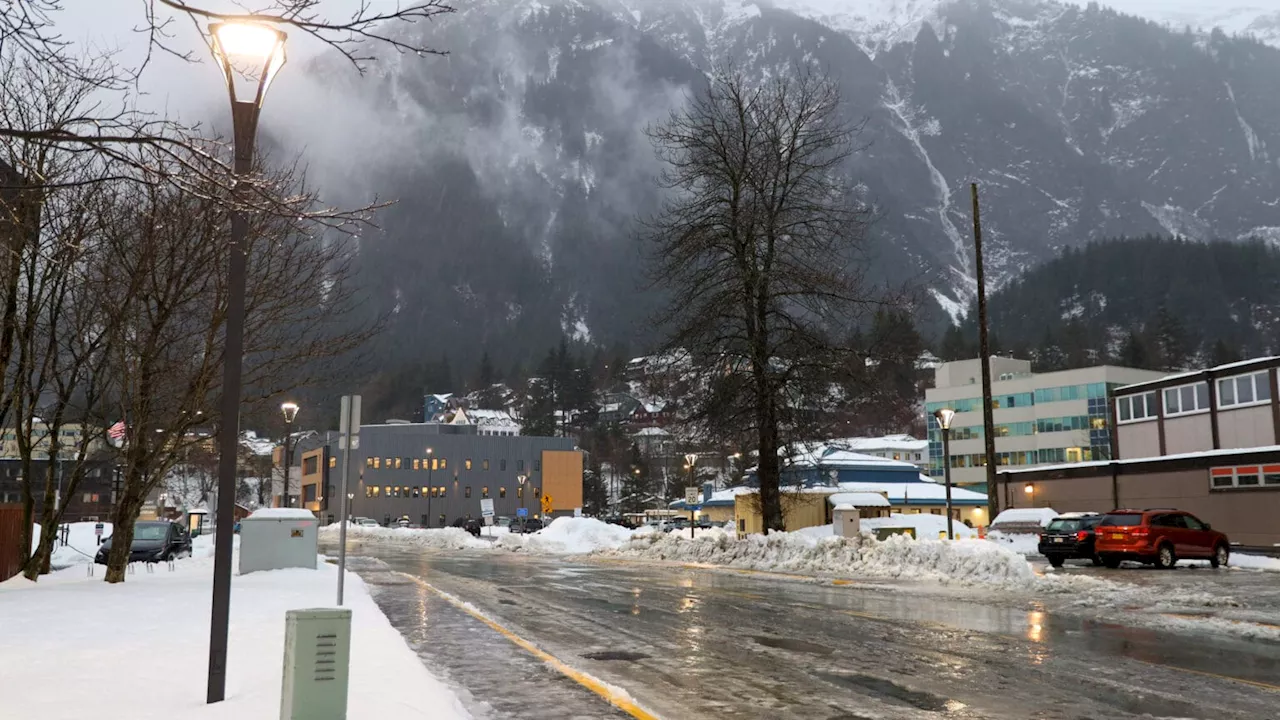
(1129, 461)
(256, 445)
(1216, 370)
(858, 499)
(1026, 515)
(283, 514)
(888, 442)
(654, 407)
(651, 432)
(913, 492)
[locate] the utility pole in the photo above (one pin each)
(984, 349)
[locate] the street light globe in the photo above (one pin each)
(290, 411)
(249, 55)
(1029, 488)
(944, 416)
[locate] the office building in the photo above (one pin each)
(435, 473)
(1040, 418)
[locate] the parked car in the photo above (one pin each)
(1160, 537)
(526, 525)
(158, 541)
(473, 526)
(366, 522)
(1070, 536)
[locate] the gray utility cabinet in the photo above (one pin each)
(276, 538)
(317, 655)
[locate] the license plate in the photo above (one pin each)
(1057, 539)
(1117, 536)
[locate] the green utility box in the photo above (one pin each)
(317, 658)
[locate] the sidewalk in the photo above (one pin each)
(78, 647)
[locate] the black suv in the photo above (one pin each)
(152, 542)
(1070, 536)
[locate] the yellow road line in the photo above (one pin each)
(614, 696)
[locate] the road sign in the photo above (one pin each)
(522, 512)
(97, 529)
(546, 503)
(488, 519)
(486, 507)
(691, 495)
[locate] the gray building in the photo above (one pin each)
(434, 474)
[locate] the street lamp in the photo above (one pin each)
(351, 497)
(521, 479)
(430, 490)
(290, 411)
(249, 55)
(1030, 490)
(945, 416)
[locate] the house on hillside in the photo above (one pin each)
(617, 408)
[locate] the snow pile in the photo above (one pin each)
(1021, 543)
(926, 526)
(282, 513)
(1040, 516)
(80, 627)
(897, 557)
(1254, 562)
(81, 545)
(433, 538)
(569, 536)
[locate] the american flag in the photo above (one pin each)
(116, 432)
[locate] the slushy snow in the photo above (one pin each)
(138, 649)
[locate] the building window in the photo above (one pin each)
(417, 464)
(466, 491)
(375, 491)
(520, 466)
(333, 462)
(377, 463)
(444, 463)
(398, 463)
(435, 463)
(537, 465)
(368, 491)
(1244, 389)
(1132, 408)
(1186, 399)
(308, 493)
(485, 465)
(537, 492)
(415, 491)
(502, 492)
(1245, 476)
(435, 492)
(386, 491)
(484, 491)
(502, 465)
(311, 465)
(442, 489)
(467, 464)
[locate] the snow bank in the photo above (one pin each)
(1254, 562)
(927, 526)
(1021, 543)
(283, 513)
(80, 628)
(569, 536)
(81, 545)
(898, 557)
(1026, 515)
(434, 538)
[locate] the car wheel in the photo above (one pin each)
(1097, 561)
(1055, 561)
(1110, 561)
(1220, 556)
(1165, 559)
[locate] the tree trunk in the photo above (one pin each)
(126, 513)
(39, 563)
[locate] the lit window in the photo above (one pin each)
(441, 491)
(368, 492)
(386, 490)
(502, 492)
(375, 491)
(484, 491)
(467, 464)
(386, 462)
(444, 463)
(333, 462)
(417, 464)
(368, 462)
(415, 491)
(377, 463)
(434, 492)
(435, 464)
(397, 463)
(485, 464)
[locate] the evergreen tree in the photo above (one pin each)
(637, 483)
(488, 396)
(1221, 354)
(1135, 352)
(595, 499)
(539, 410)
(1169, 340)
(954, 346)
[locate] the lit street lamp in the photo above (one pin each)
(945, 416)
(290, 411)
(1030, 490)
(249, 55)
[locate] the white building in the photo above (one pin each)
(894, 447)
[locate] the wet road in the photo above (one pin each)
(691, 643)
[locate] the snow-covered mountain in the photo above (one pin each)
(521, 162)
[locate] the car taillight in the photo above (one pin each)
(1139, 531)
(1082, 535)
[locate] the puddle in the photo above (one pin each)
(888, 690)
(624, 655)
(504, 601)
(793, 645)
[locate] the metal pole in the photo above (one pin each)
(431, 472)
(244, 120)
(288, 430)
(347, 422)
(946, 474)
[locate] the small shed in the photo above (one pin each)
(276, 538)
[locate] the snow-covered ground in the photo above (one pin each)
(926, 526)
(138, 650)
(81, 545)
(1021, 543)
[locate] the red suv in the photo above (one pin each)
(1159, 536)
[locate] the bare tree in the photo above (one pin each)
(301, 326)
(759, 246)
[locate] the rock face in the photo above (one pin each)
(521, 163)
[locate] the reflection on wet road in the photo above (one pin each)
(700, 643)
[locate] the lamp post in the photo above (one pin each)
(290, 411)
(351, 497)
(521, 479)
(945, 416)
(430, 482)
(692, 459)
(249, 55)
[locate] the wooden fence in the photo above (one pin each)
(10, 540)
